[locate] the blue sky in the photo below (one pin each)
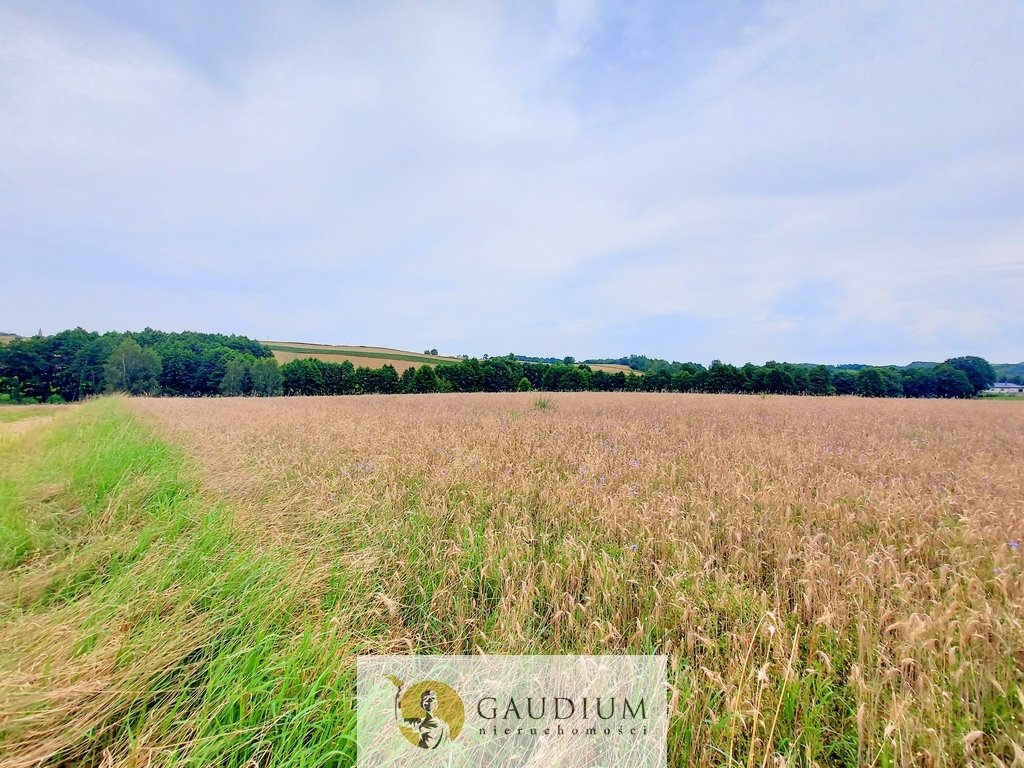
(803, 181)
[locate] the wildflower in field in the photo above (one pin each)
(1013, 544)
(634, 463)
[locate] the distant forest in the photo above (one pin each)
(75, 364)
(1008, 372)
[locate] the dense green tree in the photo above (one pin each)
(498, 375)
(634, 383)
(132, 369)
(659, 381)
(722, 377)
(801, 378)
(618, 381)
(534, 372)
(388, 380)
(602, 381)
(552, 378)
(366, 381)
(237, 378)
(266, 378)
(870, 383)
(87, 366)
(979, 371)
(25, 371)
(73, 364)
(405, 383)
(303, 377)
(179, 369)
(683, 381)
(340, 378)
(879, 382)
(62, 349)
(779, 380)
(845, 382)
(920, 382)
(425, 380)
(576, 378)
(893, 379)
(952, 382)
(465, 376)
(524, 385)
(377, 381)
(820, 381)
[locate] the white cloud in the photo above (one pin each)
(422, 175)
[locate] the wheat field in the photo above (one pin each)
(836, 581)
(838, 578)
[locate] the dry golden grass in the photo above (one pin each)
(339, 357)
(342, 348)
(836, 581)
(16, 420)
(375, 357)
(613, 368)
(371, 357)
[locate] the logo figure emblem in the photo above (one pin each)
(429, 713)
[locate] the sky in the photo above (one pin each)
(810, 181)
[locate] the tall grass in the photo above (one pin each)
(138, 628)
(835, 581)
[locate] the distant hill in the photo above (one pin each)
(608, 366)
(369, 357)
(376, 357)
(1004, 371)
(1009, 372)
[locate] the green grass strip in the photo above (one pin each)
(136, 624)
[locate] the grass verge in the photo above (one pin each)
(137, 627)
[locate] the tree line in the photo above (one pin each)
(75, 364)
(957, 377)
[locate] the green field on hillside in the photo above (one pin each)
(359, 352)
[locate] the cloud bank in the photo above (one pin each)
(747, 181)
